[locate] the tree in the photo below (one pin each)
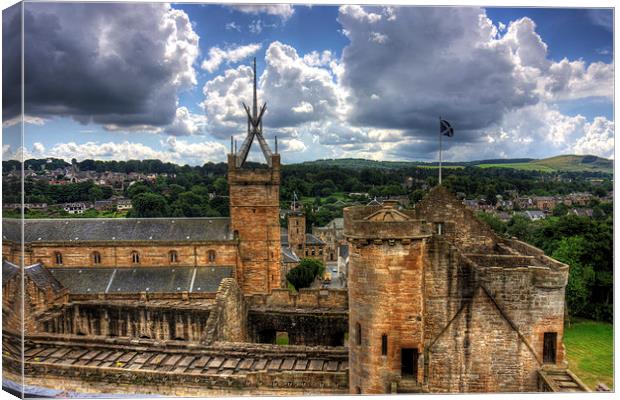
(560, 210)
(305, 273)
(149, 205)
(572, 251)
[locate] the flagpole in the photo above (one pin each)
(440, 137)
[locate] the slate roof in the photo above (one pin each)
(90, 280)
(36, 272)
(288, 256)
(344, 251)
(284, 236)
(9, 270)
(98, 229)
(311, 239)
(43, 278)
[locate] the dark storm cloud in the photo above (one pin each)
(408, 66)
(11, 62)
(119, 65)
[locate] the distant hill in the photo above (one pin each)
(571, 163)
(559, 163)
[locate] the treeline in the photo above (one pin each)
(585, 244)
(188, 191)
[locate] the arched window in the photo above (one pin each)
(96, 257)
(58, 258)
(211, 256)
(173, 256)
(358, 331)
(135, 257)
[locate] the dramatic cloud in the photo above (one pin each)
(119, 65)
(297, 89)
(218, 56)
(172, 149)
(284, 11)
(406, 66)
(598, 139)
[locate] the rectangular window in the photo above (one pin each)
(440, 229)
(358, 334)
(384, 345)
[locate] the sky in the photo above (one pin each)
(118, 81)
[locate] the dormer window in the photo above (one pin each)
(173, 256)
(58, 258)
(135, 257)
(211, 256)
(96, 257)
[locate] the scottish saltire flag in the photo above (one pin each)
(445, 128)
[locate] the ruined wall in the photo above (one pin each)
(304, 327)
(115, 254)
(460, 225)
(228, 319)
(485, 319)
(126, 319)
(334, 299)
(255, 220)
(309, 317)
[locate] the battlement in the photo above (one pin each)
(254, 176)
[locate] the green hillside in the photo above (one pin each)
(577, 163)
(572, 163)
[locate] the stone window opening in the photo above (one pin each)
(282, 338)
(358, 334)
(440, 228)
(211, 256)
(312, 251)
(58, 258)
(299, 246)
(135, 257)
(384, 345)
(358, 390)
(173, 256)
(96, 257)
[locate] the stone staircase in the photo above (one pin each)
(560, 380)
(407, 385)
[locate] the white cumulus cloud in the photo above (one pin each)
(217, 56)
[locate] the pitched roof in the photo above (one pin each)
(288, 256)
(311, 239)
(90, 280)
(96, 229)
(9, 270)
(41, 277)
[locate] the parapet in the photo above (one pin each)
(383, 222)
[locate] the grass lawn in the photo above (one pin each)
(589, 349)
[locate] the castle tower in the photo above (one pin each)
(255, 208)
(296, 227)
(386, 302)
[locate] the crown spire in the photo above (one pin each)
(255, 128)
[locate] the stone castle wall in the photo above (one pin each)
(115, 254)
